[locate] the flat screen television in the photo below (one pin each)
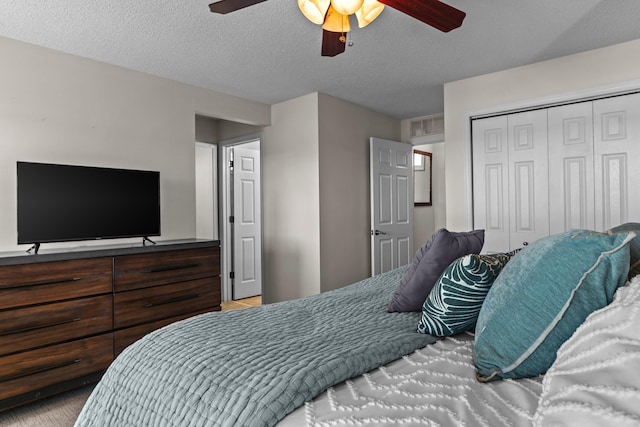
(59, 203)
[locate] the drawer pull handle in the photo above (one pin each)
(172, 267)
(40, 370)
(51, 282)
(35, 328)
(172, 300)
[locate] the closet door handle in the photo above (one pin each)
(377, 232)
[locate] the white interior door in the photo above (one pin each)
(247, 277)
(391, 169)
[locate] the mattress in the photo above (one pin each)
(433, 386)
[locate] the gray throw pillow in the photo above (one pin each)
(431, 260)
(634, 246)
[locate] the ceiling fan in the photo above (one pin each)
(333, 15)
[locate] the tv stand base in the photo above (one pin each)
(145, 239)
(34, 248)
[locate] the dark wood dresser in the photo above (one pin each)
(64, 316)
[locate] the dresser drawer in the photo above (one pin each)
(29, 284)
(151, 304)
(160, 268)
(23, 372)
(125, 337)
(37, 326)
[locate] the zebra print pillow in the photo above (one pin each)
(453, 304)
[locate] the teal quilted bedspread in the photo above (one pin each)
(252, 367)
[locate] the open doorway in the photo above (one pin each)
(221, 142)
(241, 219)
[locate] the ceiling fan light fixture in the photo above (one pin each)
(336, 22)
(369, 11)
(346, 7)
(314, 10)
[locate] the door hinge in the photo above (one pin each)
(232, 219)
(232, 275)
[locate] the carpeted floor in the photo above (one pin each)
(56, 411)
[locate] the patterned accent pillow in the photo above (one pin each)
(454, 303)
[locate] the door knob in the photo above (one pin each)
(377, 232)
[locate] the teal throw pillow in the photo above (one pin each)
(542, 296)
(453, 304)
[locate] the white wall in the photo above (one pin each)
(61, 108)
(600, 69)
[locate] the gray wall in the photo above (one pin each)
(345, 212)
(291, 210)
(60, 108)
(316, 194)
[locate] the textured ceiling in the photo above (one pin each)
(270, 53)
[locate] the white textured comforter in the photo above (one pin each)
(594, 382)
(433, 386)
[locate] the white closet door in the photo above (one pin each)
(571, 193)
(616, 159)
(528, 177)
(490, 182)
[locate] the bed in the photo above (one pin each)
(347, 357)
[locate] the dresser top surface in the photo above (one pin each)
(94, 251)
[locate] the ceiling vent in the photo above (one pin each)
(425, 126)
(428, 129)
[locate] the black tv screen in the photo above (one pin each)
(59, 203)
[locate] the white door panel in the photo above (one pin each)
(510, 179)
(528, 177)
(391, 166)
(247, 280)
(616, 157)
(571, 167)
(490, 182)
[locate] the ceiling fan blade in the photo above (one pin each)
(226, 6)
(331, 43)
(432, 12)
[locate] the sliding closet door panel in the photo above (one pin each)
(616, 156)
(528, 177)
(490, 185)
(571, 193)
